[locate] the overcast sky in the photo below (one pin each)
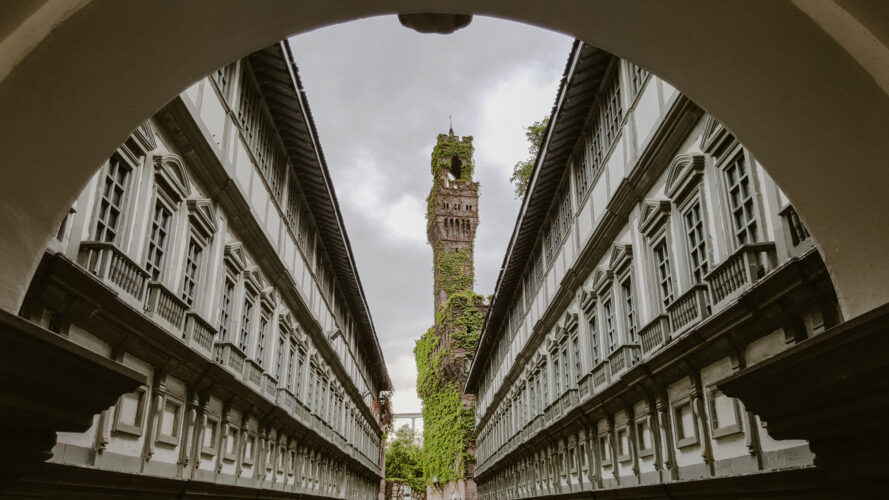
(380, 94)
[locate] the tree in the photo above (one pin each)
(403, 459)
(521, 172)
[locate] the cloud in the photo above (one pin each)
(380, 94)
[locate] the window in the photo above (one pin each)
(685, 424)
(246, 315)
(311, 396)
(225, 309)
(192, 272)
(113, 198)
(566, 368)
(157, 241)
(230, 443)
(594, 338)
(279, 358)
(170, 421)
(557, 375)
(322, 392)
(664, 276)
(697, 243)
(575, 344)
(605, 449)
(290, 359)
(606, 124)
(211, 432)
(249, 449)
(260, 341)
(725, 413)
(644, 442)
(740, 193)
(608, 310)
(130, 411)
(637, 78)
(629, 312)
(299, 370)
(223, 76)
(545, 383)
(623, 444)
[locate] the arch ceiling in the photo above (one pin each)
(802, 83)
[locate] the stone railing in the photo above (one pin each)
(537, 423)
(623, 358)
(228, 355)
(300, 410)
(166, 309)
(269, 385)
(583, 386)
(286, 399)
(113, 266)
(655, 334)
(689, 308)
(600, 374)
(253, 373)
(738, 272)
(199, 333)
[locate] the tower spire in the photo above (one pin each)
(451, 127)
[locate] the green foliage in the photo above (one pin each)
(447, 424)
(461, 314)
(428, 363)
(441, 160)
(404, 459)
(447, 432)
(445, 150)
(521, 172)
(453, 271)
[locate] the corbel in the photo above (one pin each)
(665, 434)
(200, 424)
(612, 443)
(697, 400)
(158, 391)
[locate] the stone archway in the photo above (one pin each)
(802, 84)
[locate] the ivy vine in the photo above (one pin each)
(453, 269)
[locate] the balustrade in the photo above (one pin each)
(228, 355)
(166, 309)
(286, 399)
(655, 334)
(269, 385)
(584, 386)
(600, 374)
(689, 308)
(623, 358)
(253, 373)
(738, 272)
(113, 266)
(199, 333)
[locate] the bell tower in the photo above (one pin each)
(452, 215)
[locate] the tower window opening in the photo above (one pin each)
(456, 168)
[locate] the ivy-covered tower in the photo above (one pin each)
(452, 216)
(445, 351)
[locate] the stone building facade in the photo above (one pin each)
(208, 254)
(653, 259)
